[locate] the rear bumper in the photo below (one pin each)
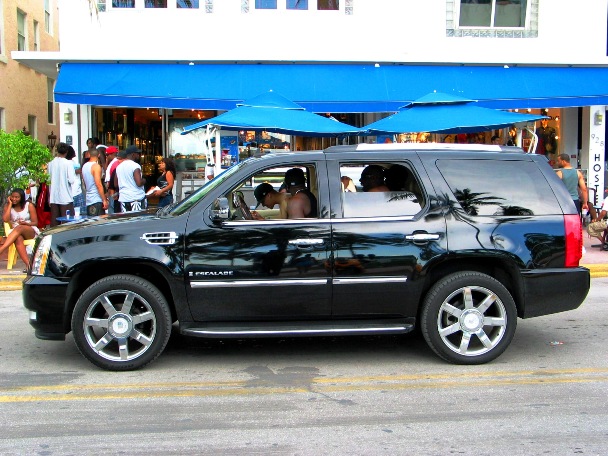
(45, 299)
(549, 291)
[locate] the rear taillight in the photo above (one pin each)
(574, 240)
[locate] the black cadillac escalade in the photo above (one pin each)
(467, 239)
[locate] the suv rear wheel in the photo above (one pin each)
(468, 318)
(121, 322)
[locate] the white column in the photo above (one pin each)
(218, 153)
(593, 151)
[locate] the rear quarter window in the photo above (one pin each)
(499, 188)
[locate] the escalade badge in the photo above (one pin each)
(210, 273)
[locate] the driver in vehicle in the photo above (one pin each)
(267, 196)
(302, 204)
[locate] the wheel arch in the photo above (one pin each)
(89, 273)
(501, 269)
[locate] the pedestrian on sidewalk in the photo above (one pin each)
(62, 174)
(597, 227)
(95, 195)
(573, 180)
(22, 217)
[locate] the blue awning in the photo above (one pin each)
(327, 87)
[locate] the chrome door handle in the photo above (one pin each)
(421, 237)
(306, 242)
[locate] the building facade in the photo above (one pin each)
(26, 95)
(139, 69)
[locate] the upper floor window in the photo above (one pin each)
(187, 4)
(123, 3)
(297, 4)
(21, 31)
(48, 25)
(265, 4)
(328, 4)
(492, 18)
(156, 3)
(36, 36)
(493, 13)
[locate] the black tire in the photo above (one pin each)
(468, 318)
(119, 338)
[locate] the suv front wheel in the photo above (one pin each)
(468, 318)
(121, 322)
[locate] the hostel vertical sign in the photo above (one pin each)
(597, 152)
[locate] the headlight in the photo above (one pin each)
(41, 255)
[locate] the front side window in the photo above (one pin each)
(493, 13)
(276, 193)
(379, 190)
(21, 32)
(498, 188)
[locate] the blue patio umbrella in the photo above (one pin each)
(274, 113)
(443, 113)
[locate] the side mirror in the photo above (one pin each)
(220, 210)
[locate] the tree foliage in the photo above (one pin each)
(22, 158)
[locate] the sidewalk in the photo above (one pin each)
(594, 258)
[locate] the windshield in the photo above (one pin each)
(199, 194)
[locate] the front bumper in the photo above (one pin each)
(549, 291)
(45, 298)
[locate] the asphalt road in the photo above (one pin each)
(357, 395)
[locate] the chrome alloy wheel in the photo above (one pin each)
(472, 321)
(119, 325)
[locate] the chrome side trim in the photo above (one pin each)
(403, 218)
(324, 221)
(376, 330)
(368, 280)
(256, 283)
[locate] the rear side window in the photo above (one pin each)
(499, 188)
(379, 189)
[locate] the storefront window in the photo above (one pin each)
(493, 13)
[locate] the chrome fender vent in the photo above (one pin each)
(160, 238)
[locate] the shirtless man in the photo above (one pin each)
(372, 179)
(267, 196)
(302, 203)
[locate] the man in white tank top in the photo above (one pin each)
(130, 182)
(95, 196)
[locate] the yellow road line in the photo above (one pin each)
(47, 393)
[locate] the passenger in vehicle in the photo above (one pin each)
(267, 196)
(396, 178)
(302, 204)
(372, 179)
(347, 184)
